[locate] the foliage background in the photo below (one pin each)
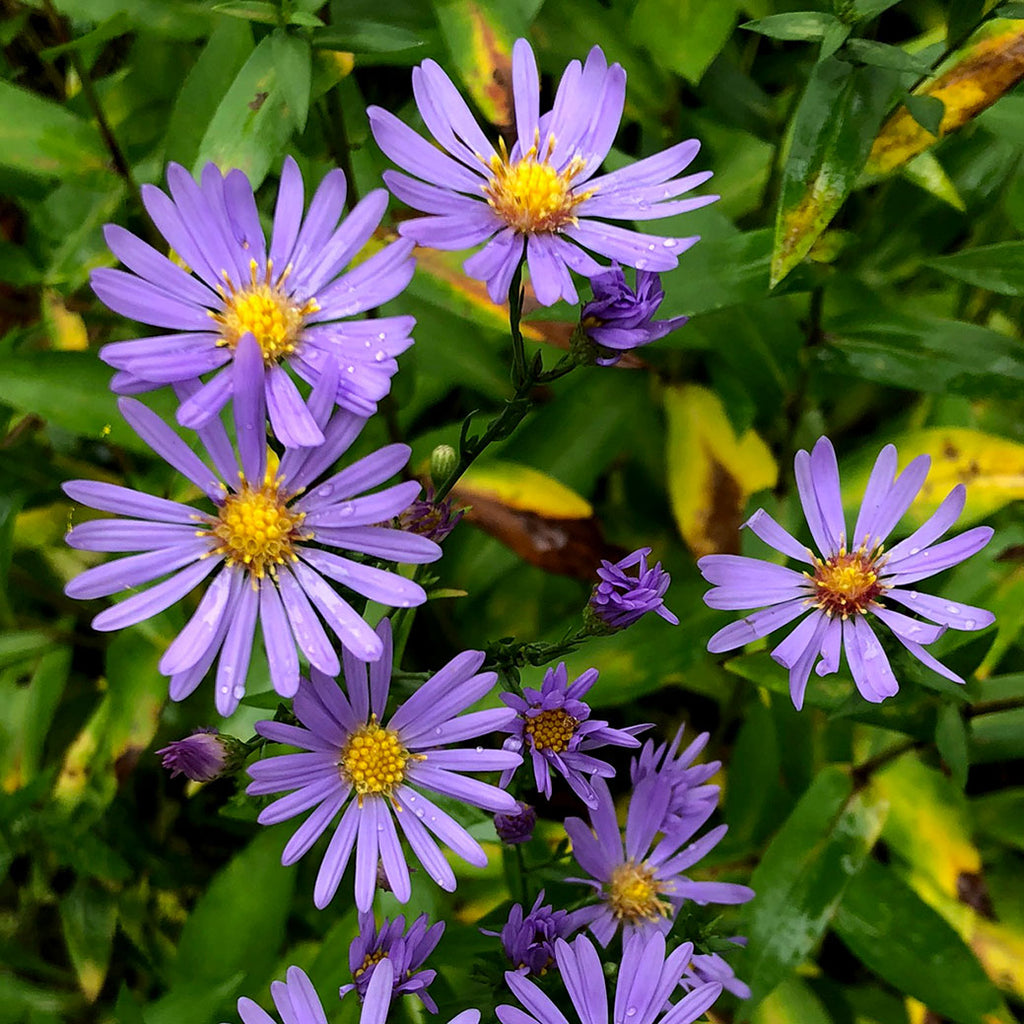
(886, 843)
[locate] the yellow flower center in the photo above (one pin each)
(847, 583)
(529, 195)
(368, 961)
(374, 760)
(551, 730)
(635, 895)
(263, 310)
(256, 529)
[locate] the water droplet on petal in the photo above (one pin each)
(670, 243)
(953, 609)
(479, 750)
(239, 692)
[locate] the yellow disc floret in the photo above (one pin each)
(551, 730)
(634, 894)
(368, 961)
(845, 584)
(256, 529)
(529, 195)
(374, 759)
(264, 310)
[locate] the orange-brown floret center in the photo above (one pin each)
(847, 583)
(551, 730)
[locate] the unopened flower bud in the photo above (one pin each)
(203, 756)
(516, 826)
(443, 460)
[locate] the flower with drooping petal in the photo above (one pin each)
(545, 195)
(619, 318)
(529, 939)
(852, 578)
(405, 953)
(554, 725)
(642, 888)
(691, 798)
(289, 296)
(646, 979)
(378, 772)
(619, 599)
(295, 999)
(266, 542)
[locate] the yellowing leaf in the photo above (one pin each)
(711, 472)
(523, 488)
(991, 467)
(989, 66)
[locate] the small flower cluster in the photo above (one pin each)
(291, 544)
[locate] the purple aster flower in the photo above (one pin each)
(265, 542)
(620, 599)
(705, 967)
(646, 979)
(643, 888)
(429, 518)
(529, 939)
(554, 724)
(404, 952)
(289, 296)
(543, 196)
(691, 802)
(849, 580)
(516, 826)
(200, 757)
(295, 999)
(375, 769)
(618, 318)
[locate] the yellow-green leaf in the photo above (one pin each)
(711, 472)
(975, 77)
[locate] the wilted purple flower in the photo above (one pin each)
(289, 297)
(642, 888)
(705, 967)
(429, 518)
(516, 826)
(646, 979)
(529, 939)
(543, 195)
(618, 318)
(256, 543)
(620, 599)
(403, 952)
(848, 581)
(386, 768)
(554, 724)
(295, 999)
(690, 802)
(200, 757)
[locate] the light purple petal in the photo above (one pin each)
(883, 474)
(938, 557)
(336, 858)
(349, 627)
(194, 641)
(898, 500)
(308, 632)
(127, 535)
(953, 614)
(123, 500)
(753, 627)
(278, 642)
(870, 667)
(767, 529)
(249, 409)
(936, 525)
(376, 584)
(650, 252)
(825, 478)
(292, 422)
(802, 470)
(126, 573)
(287, 214)
(233, 665)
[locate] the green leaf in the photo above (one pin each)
(88, 914)
(802, 876)
(353, 36)
(1001, 816)
(833, 128)
(238, 924)
(21, 646)
(39, 137)
(251, 10)
(224, 55)
(951, 741)
(808, 26)
(293, 60)
(926, 172)
(907, 944)
(882, 55)
(684, 35)
(71, 390)
(254, 120)
(927, 111)
(862, 10)
(997, 268)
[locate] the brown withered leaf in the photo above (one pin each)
(989, 66)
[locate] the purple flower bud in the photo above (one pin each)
(618, 318)
(200, 757)
(619, 599)
(434, 521)
(516, 826)
(529, 939)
